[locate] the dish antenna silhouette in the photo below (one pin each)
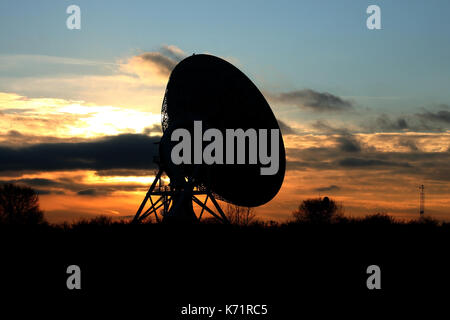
(209, 89)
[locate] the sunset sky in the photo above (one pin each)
(365, 113)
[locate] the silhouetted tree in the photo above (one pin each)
(19, 205)
(380, 218)
(425, 220)
(319, 210)
(242, 216)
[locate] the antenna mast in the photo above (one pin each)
(422, 200)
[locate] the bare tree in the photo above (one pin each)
(242, 216)
(19, 205)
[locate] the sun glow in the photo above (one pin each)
(91, 177)
(70, 119)
(107, 120)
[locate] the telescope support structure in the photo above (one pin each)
(165, 195)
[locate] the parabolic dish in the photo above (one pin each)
(209, 89)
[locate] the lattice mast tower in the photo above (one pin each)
(422, 200)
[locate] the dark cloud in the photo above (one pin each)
(14, 133)
(126, 151)
(165, 59)
(12, 137)
(408, 143)
(38, 182)
(40, 185)
(105, 190)
(88, 192)
(348, 144)
(419, 164)
(385, 123)
(164, 63)
(15, 138)
(439, 116)
(66, 185)
(337, 159)
(43, 192)
(324, 127)
(15, 111)
(173, 52)
(328, 189)
(313, 100)
(156, 128)
(124, 173)
(286, 129)
(424, 122)
(345, 140)
(363, 162)
(301, 165)
(419, 122)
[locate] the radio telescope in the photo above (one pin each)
(211, 90)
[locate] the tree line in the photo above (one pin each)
(20, 205)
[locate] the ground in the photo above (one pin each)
(160, 268)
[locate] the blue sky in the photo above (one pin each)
(283, 45)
